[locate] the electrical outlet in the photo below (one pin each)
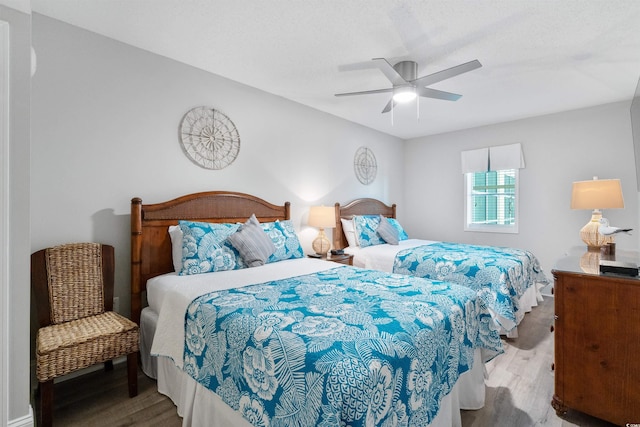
(116, 304)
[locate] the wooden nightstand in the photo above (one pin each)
(345, 259)
(341, 259)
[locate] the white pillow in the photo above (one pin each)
(349, 232)
(176, 247)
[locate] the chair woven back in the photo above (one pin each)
(76, 288)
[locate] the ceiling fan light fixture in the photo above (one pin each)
(404, 94)
(407, 86)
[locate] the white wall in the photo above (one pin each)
(558, 149)
(105, 119)
(16, 410)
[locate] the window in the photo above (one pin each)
(491, 188)
(491, 202)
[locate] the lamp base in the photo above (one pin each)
(591, 236)
(321, 244)
(590, 262)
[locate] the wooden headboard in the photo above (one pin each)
(150, 242)
(358, 207)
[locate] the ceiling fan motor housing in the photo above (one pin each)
(408, 70)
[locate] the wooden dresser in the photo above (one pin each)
(597, 341)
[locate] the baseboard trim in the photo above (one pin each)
(26, 421)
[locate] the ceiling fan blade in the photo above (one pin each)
(365, 92)
(448, 73)
(391, 104)
(438, 94)
(388, 70)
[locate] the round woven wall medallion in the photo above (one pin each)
(209, 138)
(365, 166)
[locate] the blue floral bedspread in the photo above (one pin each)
(343, 347)
(499, 275)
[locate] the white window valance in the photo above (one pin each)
(495, 158)
(475, 160)
(504, 157)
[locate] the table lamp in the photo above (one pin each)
(596, 194)
(322, 217)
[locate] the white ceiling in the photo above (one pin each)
(538, 57)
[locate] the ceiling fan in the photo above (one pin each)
(407, 86)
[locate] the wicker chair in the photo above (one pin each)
(72, 286)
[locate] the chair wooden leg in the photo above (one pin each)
(46, 404)
(132, 372)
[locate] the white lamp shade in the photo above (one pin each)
(597, 194)
(322, 217)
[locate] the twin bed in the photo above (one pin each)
(507, 280)
(298, 341)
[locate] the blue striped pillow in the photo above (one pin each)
(402, 235)
(387, 231)
(253, 244)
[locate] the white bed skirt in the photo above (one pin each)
(198, 406)
(148, 321)
(531, 297)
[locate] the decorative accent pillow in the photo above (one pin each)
(402, 235)
(252, 242)
(176, 247)
(349, 232)
(366, 226)
(284, 238)
(204, 249)
(387, 231)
